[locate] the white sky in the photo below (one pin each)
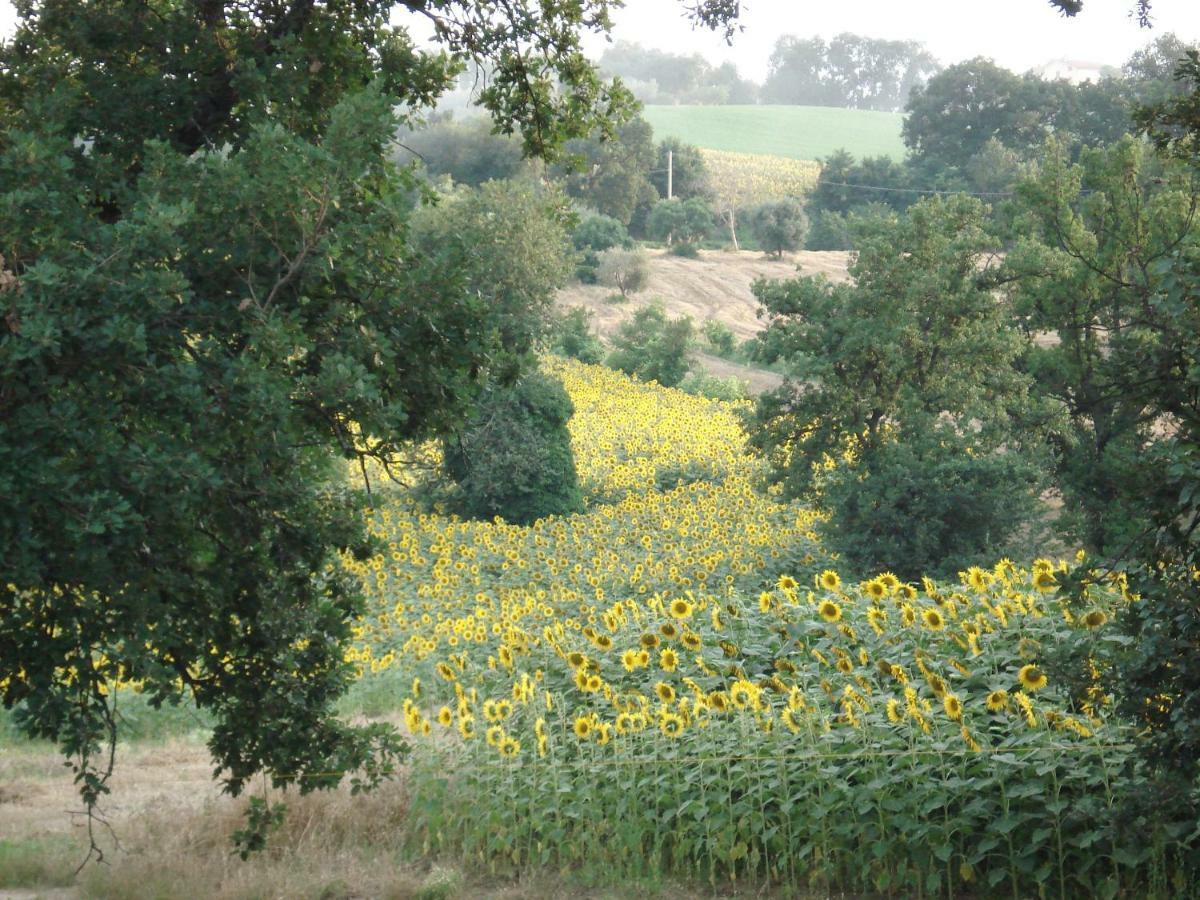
(1018, 34)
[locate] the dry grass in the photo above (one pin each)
(715, 286)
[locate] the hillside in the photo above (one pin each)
(715, 286)
(798, 132)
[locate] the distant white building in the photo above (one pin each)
(1073, 70)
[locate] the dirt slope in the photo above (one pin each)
(715, 286)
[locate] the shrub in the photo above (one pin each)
(679, 221)
(515, 460)
(572, 336)
(626, 270)
(925, 505)
(600, 232)
(715, 388)
(653, 347)
(720, 338)
(779, 226)
(591, 237)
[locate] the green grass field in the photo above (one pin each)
(799, 132)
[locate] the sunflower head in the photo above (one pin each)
(680, 609)
(829, 611)
(829, 580)
(1032, 678)
(953, 706)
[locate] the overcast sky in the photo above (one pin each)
(1018, 34)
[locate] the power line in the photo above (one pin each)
(896, 190)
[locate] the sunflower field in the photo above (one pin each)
(745, 180)
(680, 681)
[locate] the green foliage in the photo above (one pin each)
(845, 188)
(690, 176)
(571, 335)
(1154, 672)
(654, 347)
(779, 226)
(851, 71)
(912, 363)
(172, 405)
(468, 151)
(714, 387)
(845, 185)
(680, 221)
(262, 818)
(952, 119)
(656, 76)
(1085, 270)
(505, 245)
(626, 270)
(926, 503)
(610, 173)
(514, 459)
(592, 236)
(721, 340)
(600, 233)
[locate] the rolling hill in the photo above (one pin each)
(798, 132)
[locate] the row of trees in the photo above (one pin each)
(849, 71)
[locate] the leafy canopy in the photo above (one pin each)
(209, 296)
(909, 369)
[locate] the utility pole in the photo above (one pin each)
(670, 173)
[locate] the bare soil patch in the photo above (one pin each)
(715, 286)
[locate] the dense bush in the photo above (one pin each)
(571, 335)
(925, 504)
(779, 226)
(514, 460)
(467, 151)
(721, 339)
(904, 399)
(677, 222)
(714, 387)
(591, 237)
(653, 347)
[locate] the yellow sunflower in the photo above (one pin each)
(680, 609)
(1032, 678)
(933, 619)
(829, 611)
(953, 706)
